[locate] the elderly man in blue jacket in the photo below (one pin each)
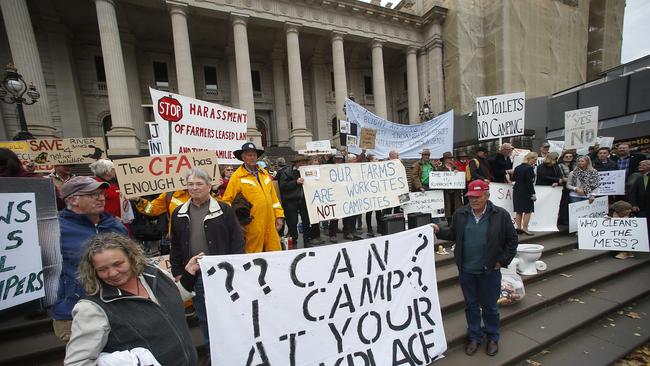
(486, 240)
(83, 218)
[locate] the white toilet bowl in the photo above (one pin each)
(527, 259)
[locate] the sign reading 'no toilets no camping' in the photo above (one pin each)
(500, 115)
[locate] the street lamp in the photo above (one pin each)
(426, 113)
(13, 89)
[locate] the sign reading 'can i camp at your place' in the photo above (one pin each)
(500, 115)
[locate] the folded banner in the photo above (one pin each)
(437, 135)
(612, 183)
(335, 191)
(447, 180)
(431, 202)
(598, 208)
(163, 173)
(196, 125)
(546, 207)
(620, 234)
(375, 301)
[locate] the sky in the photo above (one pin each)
(636, 27)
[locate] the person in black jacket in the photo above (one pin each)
(625, 160)
(523, 192)
(502, 164)
(639, 197)
(479, 167)
(603, 163)
(485, 241)
(549, 173)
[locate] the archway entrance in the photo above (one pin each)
(261, 124)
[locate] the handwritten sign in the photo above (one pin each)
(432, 202)
(620, 234)
(580, 128)
(341, 190)
(21, 269)
(368, 136)
(165, 173)
(375, 302)
(612, 183)
(546, 207)
(186, 124)
(500, 115)
(47, 152)
(447, 180)
(351, 141)
(596, 209)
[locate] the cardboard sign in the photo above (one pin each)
(620, 234)
(447, 180)
(186, 124)
(432, 202)
(21, 269)
(368, 136)
(165, 173)
(371, 301)
(580, 209)
(341, 190)
(500, 115)
(612, 183)
(546, 207)
(83, 150)
(580, 128)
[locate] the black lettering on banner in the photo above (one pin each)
(260, 262)
(362, 336)
(256, 318)
(262, 354)
(25, 213)
(12, 236)
(366, 289)
(373, 252)
(348, 301)
(230, 273)
(400, 351)
(3, 259)
(292, 345)
(6, 219)
(305, 306)
(402, 326)
(347, 268)
(424, 244)
(391, 286)
(424, 314)
(294, 266)
(339, 335)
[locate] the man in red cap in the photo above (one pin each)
(485, 240)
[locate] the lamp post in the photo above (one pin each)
(13, 90)
(425, 113)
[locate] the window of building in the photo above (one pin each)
(332, 77)
(367, 85)
(160, 75)
(210, 77)
(99, 69)
(256, 80)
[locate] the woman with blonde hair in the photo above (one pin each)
(583, 181)
(523, 193)
(549, 173)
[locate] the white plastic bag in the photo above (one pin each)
(512, 287)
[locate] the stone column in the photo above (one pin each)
(378, 82)
(319, 85)
(423, 79)
(244, 79)
(135, 93)
(412, 78)
(182, 49)
(436, 80)
(121, 137)
(232, 77)
(280, 98)
(299, 134)
(340, 81)
(24, 52)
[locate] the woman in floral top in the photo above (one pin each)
(583, 181)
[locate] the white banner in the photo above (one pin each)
(196, 125)
(556, 146)
(620, 234)
(335, 191)
(580, 128)
(517, 157)
(437, 135)
(432, 202)
(612, 183)
(447, 180)
(598, 208)
(21, 267)
(373, 302)
(500, 115)
(546, 207)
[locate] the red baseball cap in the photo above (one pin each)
(477, 187)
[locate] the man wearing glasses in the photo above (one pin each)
(83, 218)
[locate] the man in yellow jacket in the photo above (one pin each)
(256, 186)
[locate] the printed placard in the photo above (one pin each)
(500, 115)
(611, 183)
(432, 202)
(343, 190)
(447, 180)
(375, 302)
(155, 147)
(596, 209)
(580, 128)
(165, 173)
(21, 268)
(368, 136)
(620, 234)
(546, 207)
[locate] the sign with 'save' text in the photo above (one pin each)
(598, 208)
(620, 234)
(447, 180)
(21, 268)
(431, 202)
(335, 191)
(580, 128)
(164, 173)
(500, 115)
(374, 301)
(546, 207)
(611, 183)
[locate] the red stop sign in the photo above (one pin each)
(170, 109)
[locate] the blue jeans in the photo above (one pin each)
(199, 306)
(481, 292)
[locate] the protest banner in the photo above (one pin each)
(598, 208)
(186, 124)
(21, 269)
(612, 183)
(351, 141)
(83, 150)
(546, 207)
(432, 202)
(165, 173)
(321, 147)
(437, 135)
(335, 191)
(374, 301)
(580, 128)
(500, 115)
(367, 140)
(447, 180)
(620, 234)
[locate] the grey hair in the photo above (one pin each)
(198, 173)
(101, 167)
